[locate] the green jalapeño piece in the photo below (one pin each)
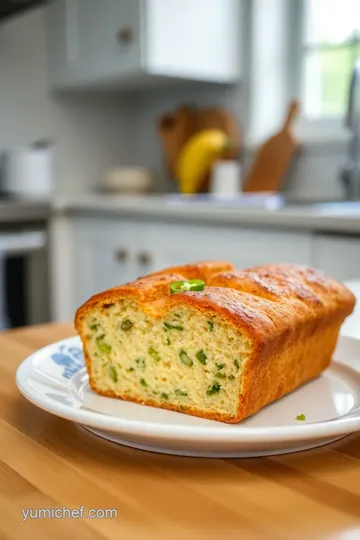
(190, 285)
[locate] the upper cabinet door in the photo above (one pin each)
(115, 43)
(193, 39)
(92, 41)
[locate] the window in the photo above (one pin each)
(330, 46)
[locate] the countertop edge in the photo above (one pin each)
(24, 211)
(157, 207)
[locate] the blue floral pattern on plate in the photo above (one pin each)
(71, 359)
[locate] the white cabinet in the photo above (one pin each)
(106, 254)
(108, 251)
(337, 255)
(92, 41)
(112, 251)
(171, 244)
(108, 43)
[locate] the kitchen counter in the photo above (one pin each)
(317, 218)
(320, 217)
(24, 210)
(48, 462)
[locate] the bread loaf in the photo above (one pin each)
(222, 353)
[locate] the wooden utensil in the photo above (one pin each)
(175, 129)
(274, 157)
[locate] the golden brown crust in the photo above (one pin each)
(281, 309)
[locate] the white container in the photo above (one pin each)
(29, 172)
(226, 178)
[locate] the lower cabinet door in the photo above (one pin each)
(338, 255)
(177, 244)
(105, 255)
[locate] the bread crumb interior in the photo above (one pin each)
(187, 359)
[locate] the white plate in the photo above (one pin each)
(54, 378)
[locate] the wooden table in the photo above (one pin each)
(46, 461)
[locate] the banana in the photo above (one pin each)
(197, 157)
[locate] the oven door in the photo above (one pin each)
(24, 283)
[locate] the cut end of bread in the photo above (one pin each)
(184, 361)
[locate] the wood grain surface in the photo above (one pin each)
(49, 462)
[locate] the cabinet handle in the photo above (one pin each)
(144, 258)
(125, 35)
(121, 255)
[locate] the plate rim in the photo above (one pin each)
(315, 430)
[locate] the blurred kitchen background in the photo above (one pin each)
(140, 134)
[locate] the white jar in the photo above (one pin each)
(29, 172)
(226, 178)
